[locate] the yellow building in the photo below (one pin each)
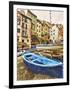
(45, 32)
(39, 28)
(34, 20)
(19, 30)
(33, 17)
(45, 28)
(23, 30)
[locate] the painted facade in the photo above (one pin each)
(39, 28)
(33, 18)
(23, 29)
(60, 26)
(32, 31)
(54, 32)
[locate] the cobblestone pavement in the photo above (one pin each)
(24, 74)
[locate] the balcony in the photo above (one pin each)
(25, 36)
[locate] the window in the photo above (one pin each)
(22, 40)
(53, 33)
(27, 40)
(54, 30)
(26, 26)
(18, 20)
(33, 26)
(24, 34)
(25, 19)
(22, 25)
(17, 38)
(18, 30)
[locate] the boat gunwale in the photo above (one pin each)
(42, 65)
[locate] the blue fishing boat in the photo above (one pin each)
(43, 65)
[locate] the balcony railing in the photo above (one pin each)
(25, 36)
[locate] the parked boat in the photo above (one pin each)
(19, 53)
(43, 65)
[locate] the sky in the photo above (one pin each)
(56, 16)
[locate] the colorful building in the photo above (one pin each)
(33, 18)
(45, 32)
(23, 30)
(32, 31)
(54, 34)
(39, 28)
(60, 26)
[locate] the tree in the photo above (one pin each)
(34, 40)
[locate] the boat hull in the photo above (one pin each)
(56, 71)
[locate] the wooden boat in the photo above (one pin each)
(43, 65)
(19, 53)
(57, 55)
